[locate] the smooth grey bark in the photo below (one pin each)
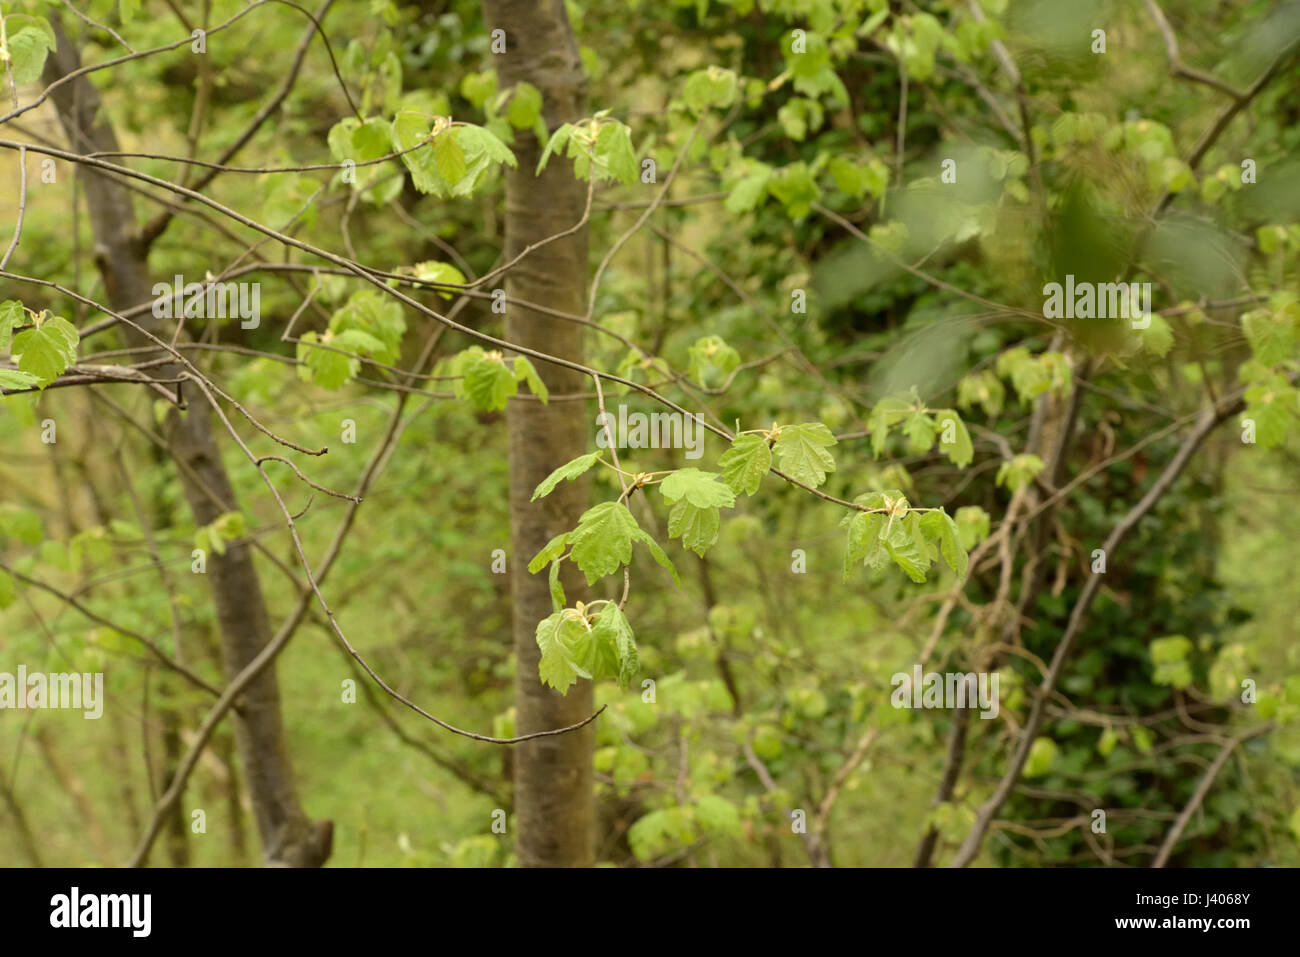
(554, 802)
(289, 838)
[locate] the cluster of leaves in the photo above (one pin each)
(912, 538)
(488, 379)
(226, 527)
(368, 324)
(600, 147)
(43, 350)
(920, 426)
(581, 642)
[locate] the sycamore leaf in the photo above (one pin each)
(550, 551)
(745, 463)
(954, 440)
(524, 372)
(886, 413)
(569, 470)
(13, 379)
(46, 350)
(557, 637)
(557, 590)
(602, 542)
(801, 452)
(696, 527)
(659, 555)
(12, 315)
(939, 525)
(701, 489)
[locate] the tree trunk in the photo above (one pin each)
(553, 775)
(288, 837)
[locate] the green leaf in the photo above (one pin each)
(569, 470)
(46, 350)
(972, 525)
(557, 590)
(557, 638)
(939, 525)
(559, 139)
(614, 156)
(701, 489)
(13, 379)
(659, 555)
(1041, 755)
(12, 315)
(525, 107)
(697, 527)
(801, 452)
(745, 463)
(906, 546)
(713, 86)
(1019, 471)
(325, 367)
(602, 542)
(885, 414)
(524, 372)
(954, 440)
(28, 47)
(449, 157)
(433, 271)
(612, 630)
(863, 542)
(550, 551)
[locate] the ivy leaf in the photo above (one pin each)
(46, 350)
(569, 470)
(801, 452)
(701, 489)
(602, 542)
(745, 463)
(939, 525)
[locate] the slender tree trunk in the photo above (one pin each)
(289, 838)
(554, 803)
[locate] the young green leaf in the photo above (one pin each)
(602, 542)
(745, 463)
(46, 350)
(801, 452)
(569, 470)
